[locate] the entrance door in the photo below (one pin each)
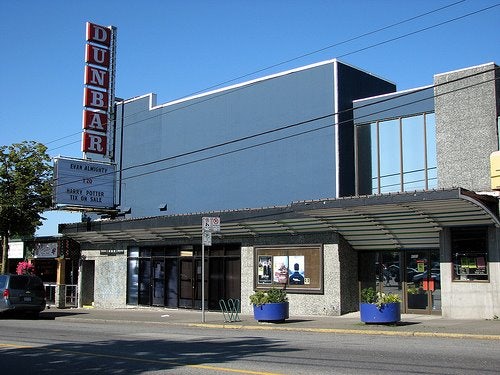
(158, 282)
(144, 282)
(187, 283)
(190, 283)
(423, 281)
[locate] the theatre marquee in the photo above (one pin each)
(81, 183)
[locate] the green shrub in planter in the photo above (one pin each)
(270, 306)
(273, 295)
(379, 307)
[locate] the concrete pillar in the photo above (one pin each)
(60, 297)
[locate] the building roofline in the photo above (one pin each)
(153, 105)
(464, 69)
(402, 92)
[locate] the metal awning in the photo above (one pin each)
(381, 222)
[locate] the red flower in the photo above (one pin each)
(25, 268)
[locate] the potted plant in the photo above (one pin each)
(270, 306)
(417, 298)
(379, 307)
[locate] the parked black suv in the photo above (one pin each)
(22, 293)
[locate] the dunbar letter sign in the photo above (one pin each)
(98, 95)
(82, 183)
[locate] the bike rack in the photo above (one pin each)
(230, 310)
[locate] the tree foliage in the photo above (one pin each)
(25, 190)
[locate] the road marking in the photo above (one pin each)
(202, 367)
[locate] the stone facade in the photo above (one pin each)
(339, 281)
(466, 126)
(110, 273)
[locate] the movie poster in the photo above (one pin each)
(265, 271)
(296, 270)
(280, 267)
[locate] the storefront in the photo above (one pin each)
(323, 252)
(170, 276)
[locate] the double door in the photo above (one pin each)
(158, 282)
(170, 282)
(423, 282)
(413, 275)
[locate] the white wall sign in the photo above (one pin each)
(46, 250)
(16, 250)
(83, 183)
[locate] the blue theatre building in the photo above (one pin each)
(325, 170)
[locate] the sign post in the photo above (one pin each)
(209, 225)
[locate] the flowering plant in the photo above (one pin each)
(369, 295)
(25, 268)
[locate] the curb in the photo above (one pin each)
(290, 329)
(351, 331)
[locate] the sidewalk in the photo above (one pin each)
(410, 325)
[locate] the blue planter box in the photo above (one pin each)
(269, 312)
(388, 313)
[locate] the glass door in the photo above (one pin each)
(382, 271)
(158, 284)
(423, 281)
(144, 282)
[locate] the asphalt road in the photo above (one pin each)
(58, 347)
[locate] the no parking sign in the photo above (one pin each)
(210, 224)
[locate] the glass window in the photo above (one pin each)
(397, 155)
(470, 253)
(367, 158)
(430, 131)
(390, 156)
(413, 135)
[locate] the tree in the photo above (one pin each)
(25, 190)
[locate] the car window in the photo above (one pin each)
(3, 281)
(18, 282)
(35, 283)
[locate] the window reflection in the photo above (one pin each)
(397, 155)
(390, 156)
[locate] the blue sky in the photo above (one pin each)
(176, 48)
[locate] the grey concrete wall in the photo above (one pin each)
(110, 287)
(466, 126)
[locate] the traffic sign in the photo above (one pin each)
(207, 238)
(210, 224)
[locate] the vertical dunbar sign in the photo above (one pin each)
(98, 97)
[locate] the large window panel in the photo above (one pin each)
(390, 156)
(430, 124)
(413, 135)
(367, 158)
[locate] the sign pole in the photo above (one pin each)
(202, 280)
(209, 225)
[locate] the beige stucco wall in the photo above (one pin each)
(470, 300)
